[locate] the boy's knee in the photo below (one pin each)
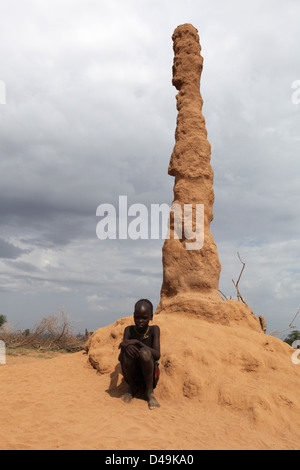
(145, 355)
(127, 360)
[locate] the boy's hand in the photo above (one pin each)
(132, 351)
(132, 347)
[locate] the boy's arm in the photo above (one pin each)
(127, 341)
(134, 351)
(155, 350)
(126, 338)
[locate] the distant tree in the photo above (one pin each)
(294, 336)
(2, 320)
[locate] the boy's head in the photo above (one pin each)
(144, 304)
(143, 313)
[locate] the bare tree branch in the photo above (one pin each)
(288, 328)
(223, 294)
(244, 264)
(239, 296)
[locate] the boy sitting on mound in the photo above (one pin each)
(140, 351)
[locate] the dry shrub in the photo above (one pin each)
(53, 332)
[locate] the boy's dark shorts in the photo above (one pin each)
(156, 374)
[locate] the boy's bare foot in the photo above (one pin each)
(153, 403)
(127, 397)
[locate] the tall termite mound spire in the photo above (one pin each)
(188, 270)
(191, 276)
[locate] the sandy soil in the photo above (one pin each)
(239, 391)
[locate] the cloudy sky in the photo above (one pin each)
(90, 115)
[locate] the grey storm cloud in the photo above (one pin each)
(90, 115)
(10, 251)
